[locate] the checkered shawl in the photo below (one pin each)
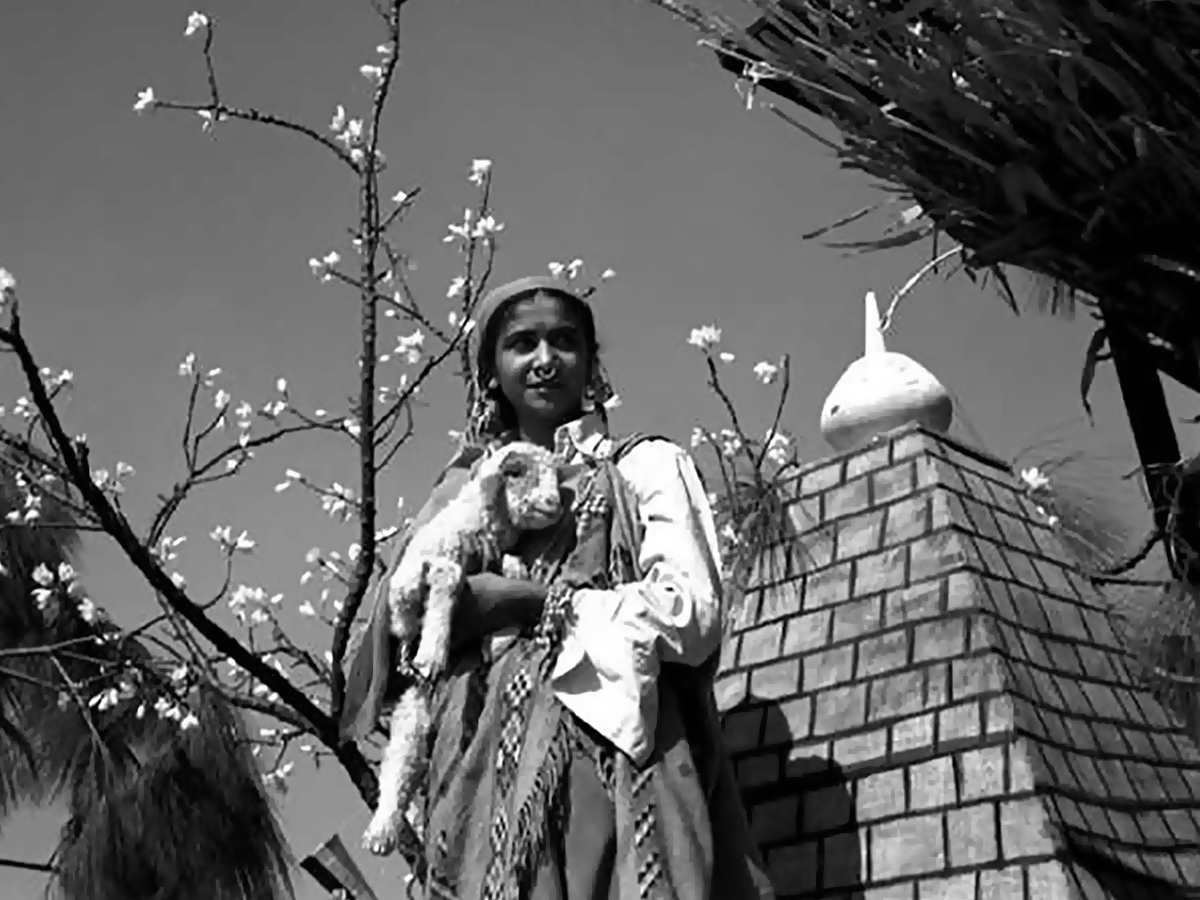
(493, 814)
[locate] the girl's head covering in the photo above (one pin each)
(487, 419)
(499, 299)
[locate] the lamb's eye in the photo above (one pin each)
(515, 468)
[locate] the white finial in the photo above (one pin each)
(873, 343)
(881, 391)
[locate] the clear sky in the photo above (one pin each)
(615, 138)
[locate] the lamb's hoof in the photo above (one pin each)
(513, 567)
(381, 836)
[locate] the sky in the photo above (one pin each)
(136, 240)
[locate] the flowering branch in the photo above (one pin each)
(275, 677)
(754, 473)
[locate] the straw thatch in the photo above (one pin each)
(1060, 137)
(153, 811)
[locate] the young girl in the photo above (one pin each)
(581, 759)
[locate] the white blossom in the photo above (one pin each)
(457, 286)
(726, 357)
(322, 268)
(479, 170)
(339, 119)
(8, 286)
(87, 610)
(351, 135)
(731, 443)
(373, 74)
(556, 269)
(706, 337)
(485, 226)
(1034, 478)
(399, 197)
(699, 437)
(607, 274)
(195, 22)
(187, 368)
(409, 347)
(459, 232)
(145, 101)
(779, 447)
(165, 551)
(574, 268)
(338, 503)
(766, 372)
(274, 409)
(106, 699)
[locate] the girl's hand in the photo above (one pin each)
(488, 603)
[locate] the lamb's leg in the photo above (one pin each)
(433, 653)
(404, 602)
(403, 759)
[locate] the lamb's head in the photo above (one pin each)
(523, 477)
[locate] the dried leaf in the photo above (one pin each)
(1095, 346)
(903, 239)
(845, 220)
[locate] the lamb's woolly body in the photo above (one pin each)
(515, 490)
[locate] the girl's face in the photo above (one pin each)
(542, 359)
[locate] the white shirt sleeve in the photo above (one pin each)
(607, 669)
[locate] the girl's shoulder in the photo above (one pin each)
(621, 447)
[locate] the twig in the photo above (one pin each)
(912, 283)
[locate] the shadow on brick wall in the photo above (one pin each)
(801, 806)
(1120, 882)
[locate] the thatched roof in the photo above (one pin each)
(1061, 137)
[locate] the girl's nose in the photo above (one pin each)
(542, 355)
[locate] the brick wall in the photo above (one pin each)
(925, 703)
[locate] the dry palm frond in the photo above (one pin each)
(155, 811)
(1059, 137)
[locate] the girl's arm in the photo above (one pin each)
(607, 670)
(492, 602)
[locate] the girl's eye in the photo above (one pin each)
(565, 340)
(521, 343)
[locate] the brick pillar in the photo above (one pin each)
(925, 702)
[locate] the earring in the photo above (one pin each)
(601, 391)
(486, 418)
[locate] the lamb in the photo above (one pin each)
(515, 490)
